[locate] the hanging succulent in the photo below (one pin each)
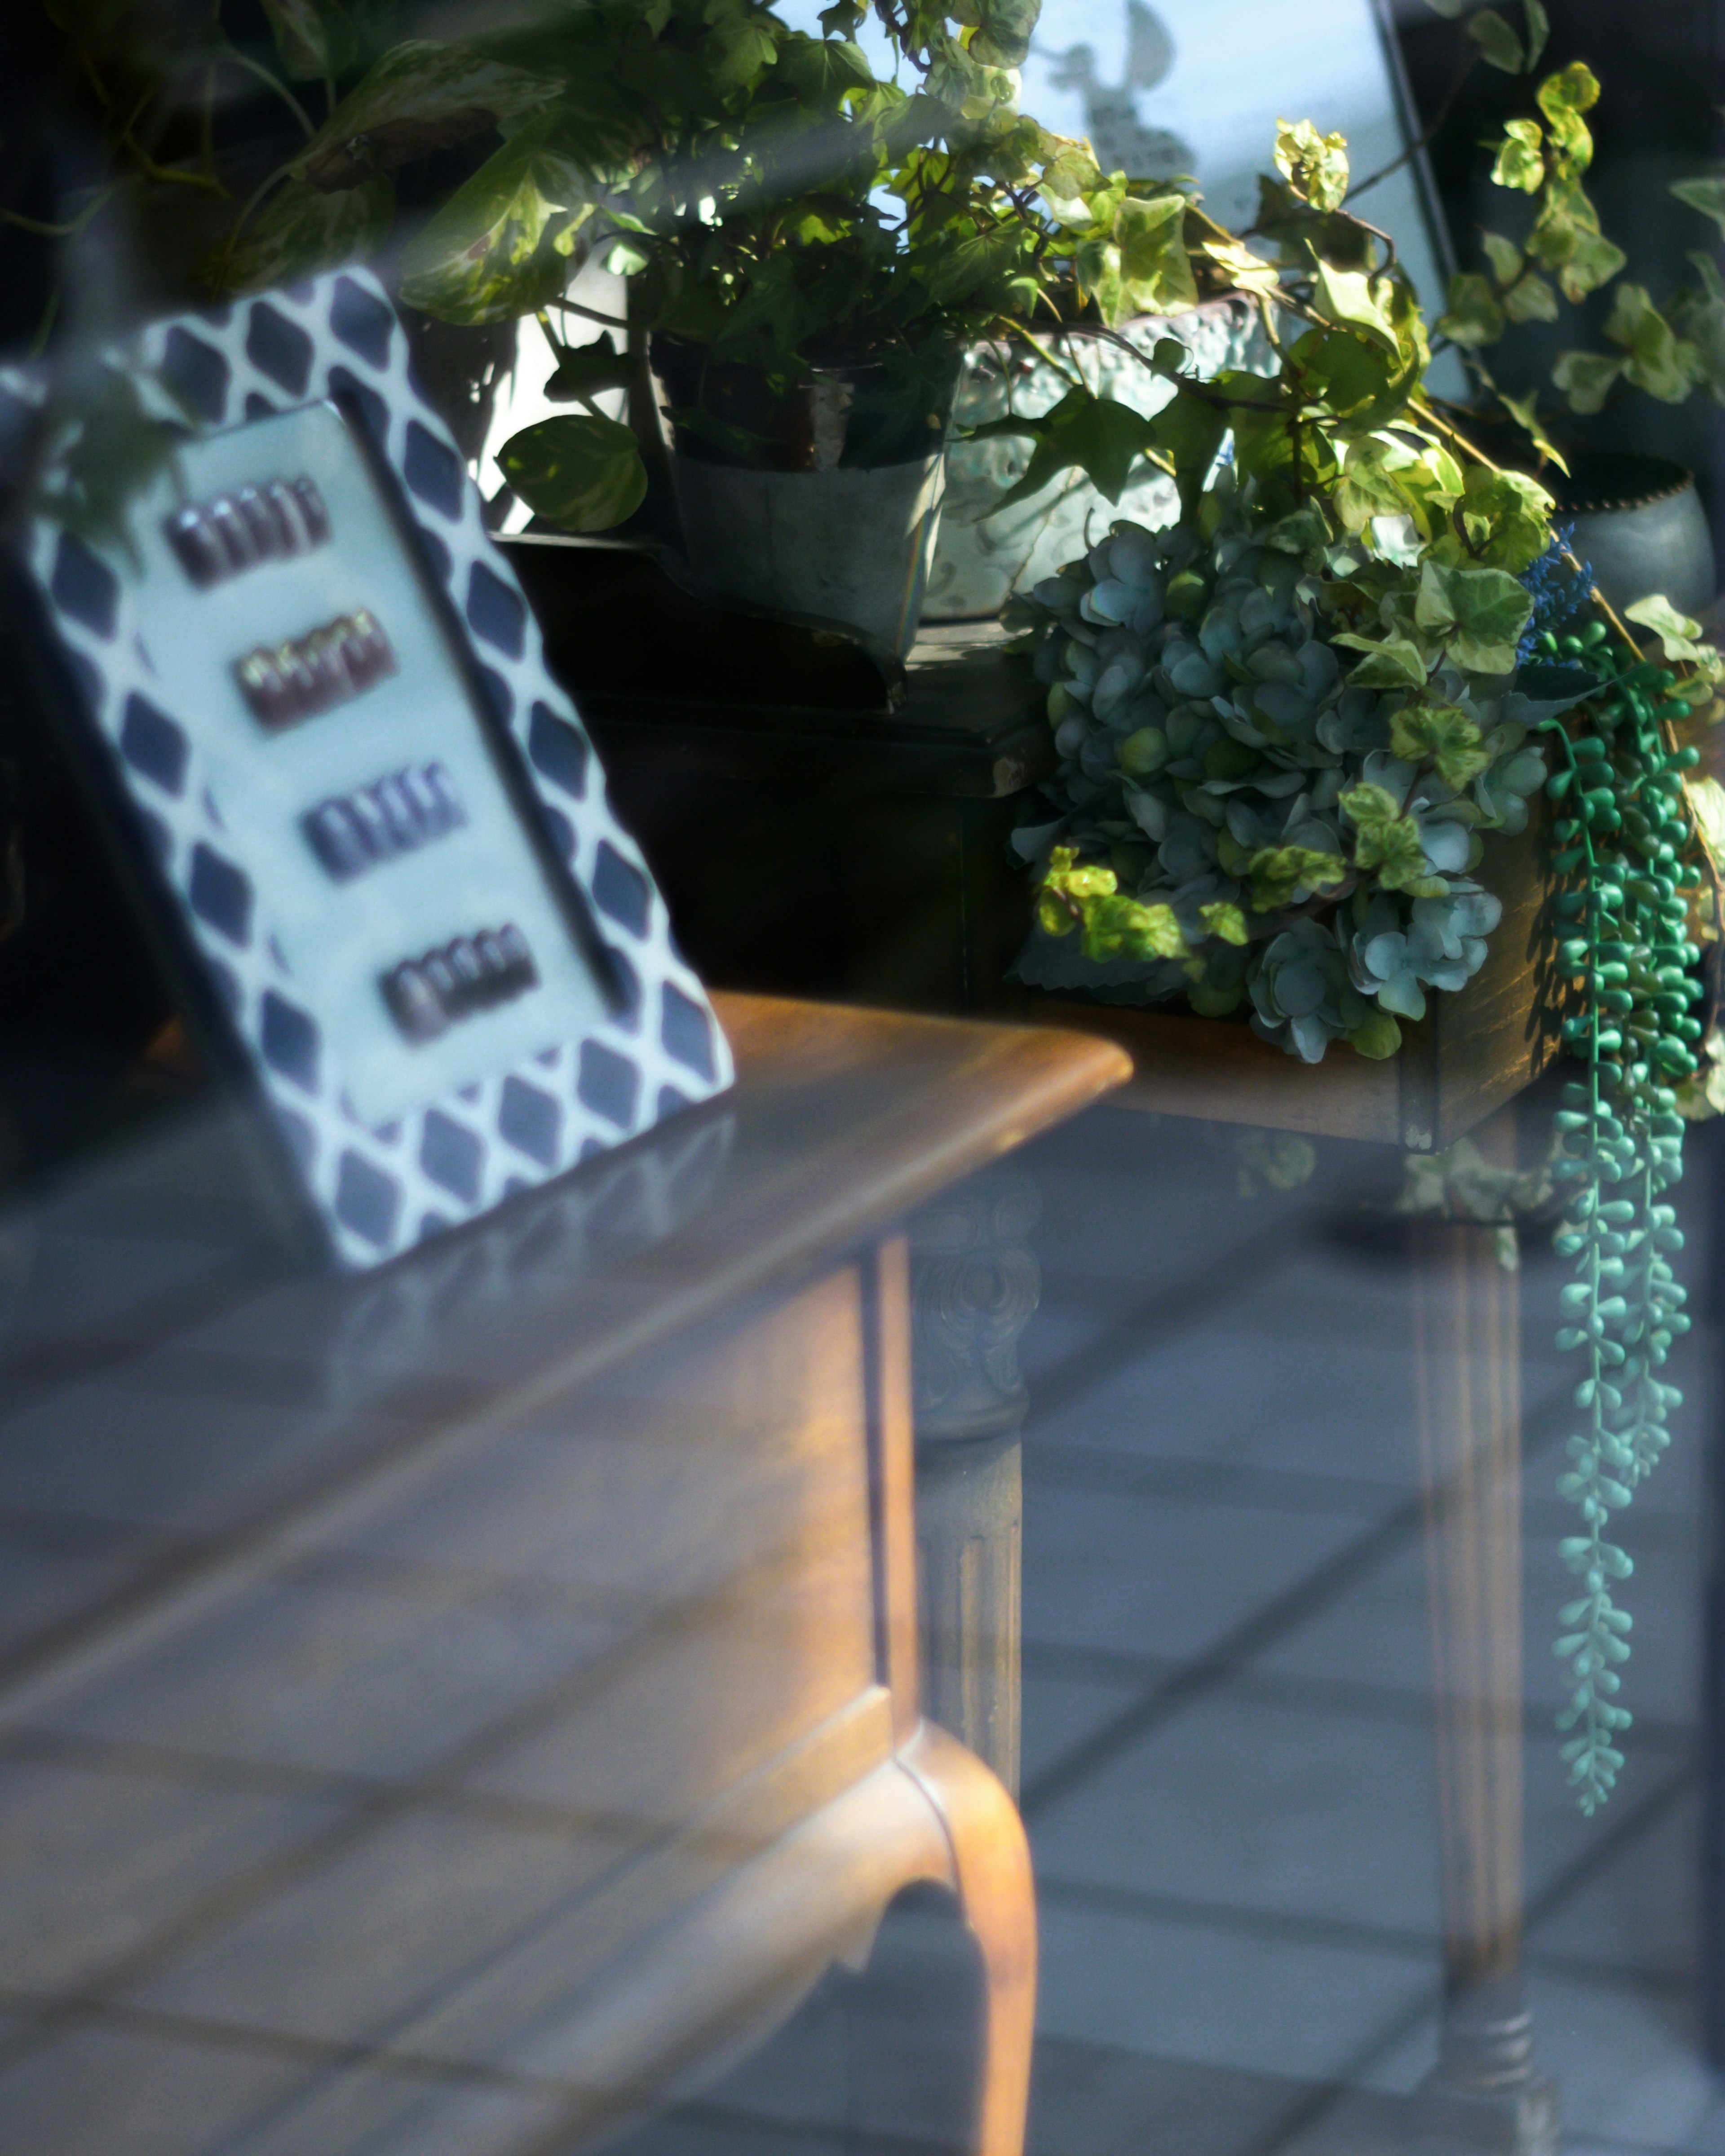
(1628, 839)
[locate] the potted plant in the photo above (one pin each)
(1289, 726)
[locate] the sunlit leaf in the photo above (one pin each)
(1155, 271)
(1315, 166)
(500, 246)
(583, 473)
(1520, 161)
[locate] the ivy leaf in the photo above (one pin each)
(1100, 437)
(1276, 873)
(1314, 166)
(1086, 895)
(1003, 30)
(819, 70)
(1502, 521)
(1155, 271)
(299, 232)
(1444, 733)
(492, 252)
(1525, 412)
(1538, 24)
(1226, 923)
(1531, 299)
(1705, 195)
(1499, 44)
(1387, 843)
(1680, 634)
(1189, 431)
(1519, 162)
(1391, 663)
(1480, 613)
(1504, 256)
(1563, 98)
(1586, 379)
(952, 271)
(1566, 239)
(1347, 296)
(583, 473)
(1473, 316)
(312, 39)
(1070, 178)
(1658, 361)
(1245, 271)
(418, 97)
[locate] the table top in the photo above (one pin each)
(169, 1378)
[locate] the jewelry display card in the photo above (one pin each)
(384, 827)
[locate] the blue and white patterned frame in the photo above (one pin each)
(380, 1191)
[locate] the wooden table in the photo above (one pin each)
(486, 1691)
(860, 852)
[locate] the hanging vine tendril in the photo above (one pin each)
(1627, 837)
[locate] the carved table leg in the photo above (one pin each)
(1485, 2091)
(973, 1286)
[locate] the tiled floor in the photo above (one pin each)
(1228, 1769)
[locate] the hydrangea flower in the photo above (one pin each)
(1212, 751)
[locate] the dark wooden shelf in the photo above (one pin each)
(863, 855)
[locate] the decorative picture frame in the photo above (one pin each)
(627, 1034)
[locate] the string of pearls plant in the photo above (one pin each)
(1628, 841)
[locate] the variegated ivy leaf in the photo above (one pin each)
(1446, 734)
(1525, 412)
(419, 97)
(1659, 362)
(1519, 162)
(1565, 239)
(1350, 297)
(1563, 98)
(1314, 166)
(502, 245)
(1393, 662)
(1479, 614)
(1155, 269)
(301, 232)
(1502, 521)
(1586, 379)
(1680, 634)
(1531, 299)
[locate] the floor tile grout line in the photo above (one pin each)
(1405, 2023)
(1298, 1926)
(1057, 1663)
(1205, 1673)
(1055, 1464)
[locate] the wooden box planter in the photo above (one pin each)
(824, 824)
